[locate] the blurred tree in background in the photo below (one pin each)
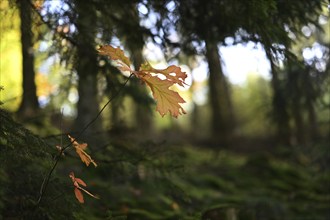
(201, 32)
(29, 105)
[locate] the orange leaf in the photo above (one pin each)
(75, 143)
(80, 181)
(116, 54)
(79, 195)
(167, 100)
(78, 188)
(172, 73)
(76, 181)
(85, 158)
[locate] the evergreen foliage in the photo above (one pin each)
(158, 181)
(25, 159)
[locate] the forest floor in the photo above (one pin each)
(164, 179)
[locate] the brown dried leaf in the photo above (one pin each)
(80, 181)
(116, 54)
(78, 188)
(85, 158)
(172, 73)
(79, 195)
(167, 100)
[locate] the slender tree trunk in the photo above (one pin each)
(299, 122)
(117, 122)
(87, 69)
(135, 42)
(29, 105)
(280, 113)
(310, 97)
(221, 106)
(143, 111)
(312, 120)
(295, 94)
(195, 113)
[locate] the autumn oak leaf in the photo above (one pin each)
(159, 80)
(172, 73)
(77, 188)
(80, 149)
(116, 54)
(167, 100)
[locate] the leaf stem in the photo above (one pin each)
(88, 193)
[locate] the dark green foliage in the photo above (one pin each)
(25, 159)
(160, 181)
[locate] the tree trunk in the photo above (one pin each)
(295, 94)
(221, 106)
(280, 114)
(117, 121)
(87, 69)
(135, 42)
(143, 111)
(311, 96)
(195, 114)
(29, 105)
(299, 122)
(312, 120)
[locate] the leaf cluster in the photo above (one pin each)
(167, 99)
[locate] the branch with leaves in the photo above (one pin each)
(77, 188)
(159, 81)
(46, 180)
(167, 99)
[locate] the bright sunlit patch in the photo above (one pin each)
(43, 101)
(170, 6)
(153, 53)
(68, 110)
(199, 95)
(142, 9)
(73, 96)
(239, 60)
(200, 73)
(308, 53)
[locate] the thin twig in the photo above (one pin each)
(61, 127)
(88, 193)
(47, 178)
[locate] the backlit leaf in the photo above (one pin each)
(167, 100)
(80, 149)
(79, 195)
(80, 181)
(78, 188)
(116, 54)
(172, 73)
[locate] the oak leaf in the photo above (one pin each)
(77, 188)
(167, 100)
(79, 195)
(172, 73)
(117, 55)
(80, 149)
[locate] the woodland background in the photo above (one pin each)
(257, 150)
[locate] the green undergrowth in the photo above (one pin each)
(25, 159)
(160, 181)
(147, 180)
